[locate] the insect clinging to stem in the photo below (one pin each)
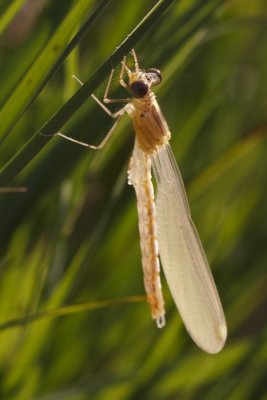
(167, 232)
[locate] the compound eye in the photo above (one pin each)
(139, 89)
(154, 75)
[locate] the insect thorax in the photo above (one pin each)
(149, 124)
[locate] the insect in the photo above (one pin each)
(166, 229)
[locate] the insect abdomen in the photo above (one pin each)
(140, 178)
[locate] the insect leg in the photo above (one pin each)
(91, 146)
(123, 68)
(100, 103)
(117, 115)
(136, 65)
(107, 100)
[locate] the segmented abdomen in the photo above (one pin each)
(140, 177)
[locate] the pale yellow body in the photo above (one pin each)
(151, 132)
(150, 126)
(139, 175)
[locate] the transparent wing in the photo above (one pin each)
(183, 259)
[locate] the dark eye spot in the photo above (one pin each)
(139, 89)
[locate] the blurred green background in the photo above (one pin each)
(72, 239)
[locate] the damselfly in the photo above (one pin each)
(165, 225)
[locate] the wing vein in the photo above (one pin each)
(183, 258)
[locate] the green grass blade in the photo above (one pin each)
(71, 309)
(9, 14)
(44, 65)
